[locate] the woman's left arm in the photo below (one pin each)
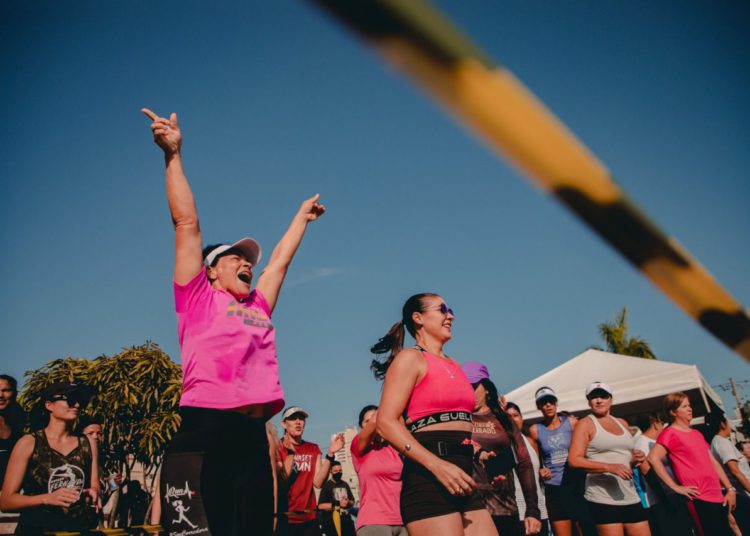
(730, 499)
(270, 280)
(94, 491)
(526, 474)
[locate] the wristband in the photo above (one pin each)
(330, 458)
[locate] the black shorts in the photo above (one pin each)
(558, 507)
(606, 514)
(422, 495)
(217, 475)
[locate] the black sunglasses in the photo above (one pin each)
(72, 399)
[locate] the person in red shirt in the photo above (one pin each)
(303, 467)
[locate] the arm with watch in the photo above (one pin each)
(730, 499)
(323, 466)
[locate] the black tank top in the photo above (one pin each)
(47, 471)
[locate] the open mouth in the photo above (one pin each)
(244, 277)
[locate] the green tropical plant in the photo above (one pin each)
(615, 335)
(137, 394)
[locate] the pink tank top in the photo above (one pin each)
(443, 388)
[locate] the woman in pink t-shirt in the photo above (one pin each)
(700, 476)
(217, 474)
(378, 468)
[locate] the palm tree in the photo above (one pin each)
(615, 335)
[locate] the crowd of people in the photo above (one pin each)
(441, 454)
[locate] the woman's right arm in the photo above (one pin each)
(188, 256)
(400, 380)
(655, 458)
(11, 500)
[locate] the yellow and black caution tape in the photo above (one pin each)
(416, 38)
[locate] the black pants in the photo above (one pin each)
(670, 517)
(713, 518)
(509, 525)
(217, 474)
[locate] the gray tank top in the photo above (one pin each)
(604, 447)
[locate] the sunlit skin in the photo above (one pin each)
(62, 415)
(94, 432)
(294, 427)
(600, 402)
(432, 329)
(228, 274)
(551, 420)
(680, 419)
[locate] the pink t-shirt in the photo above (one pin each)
(379, 471)
(228, 348)
(690, 458)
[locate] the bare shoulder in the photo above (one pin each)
(25, 445)
(409, 358)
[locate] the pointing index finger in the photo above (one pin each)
(150, 114)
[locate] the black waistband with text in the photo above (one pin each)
(441, 417)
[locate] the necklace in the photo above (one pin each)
(449, 371)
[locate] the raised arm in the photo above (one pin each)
(188, 258)
(323, 465)
(400, 380)
(269, 282)
(367, 434)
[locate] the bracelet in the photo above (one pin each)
(733, 490)
(330, 458)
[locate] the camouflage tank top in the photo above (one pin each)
(47, 471)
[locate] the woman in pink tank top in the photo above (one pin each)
(217, 477)
(430, 391)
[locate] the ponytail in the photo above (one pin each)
(393, 341)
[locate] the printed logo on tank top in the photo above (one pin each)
(559, 454)
(302, 462)
(250, 317)
(65, 476)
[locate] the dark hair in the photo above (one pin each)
(335, 463)
(393, 341)
(13, 383)
(208, 249)
(645, 420)
(363, 411)
(87, 420)
(493, 401)
(513, 405)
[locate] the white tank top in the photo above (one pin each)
(604, 447)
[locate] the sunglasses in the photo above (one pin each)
(442, 308)
(70, 399)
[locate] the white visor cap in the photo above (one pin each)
(598, 386)
(249, 248)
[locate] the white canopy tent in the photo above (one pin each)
(639, 385)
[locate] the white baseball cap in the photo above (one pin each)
(249, 248)
(598, 386)
(291, 410)
(544, 392)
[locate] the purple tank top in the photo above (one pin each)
(554, 445)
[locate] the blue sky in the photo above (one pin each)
(278, 102)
